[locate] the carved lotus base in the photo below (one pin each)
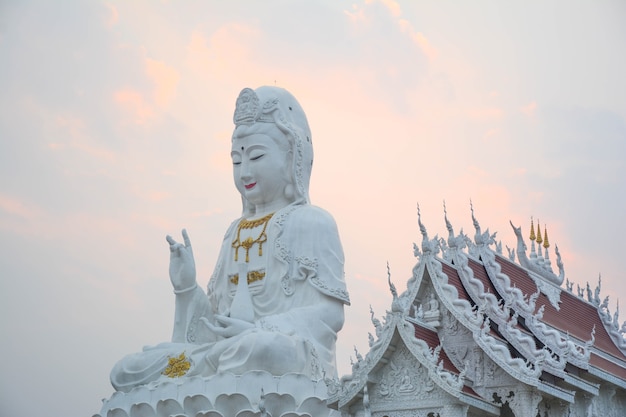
(255, 393)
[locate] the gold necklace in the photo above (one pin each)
(249, 242)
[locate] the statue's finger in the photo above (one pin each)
(186, 239)
(170, 240)
(223, 319)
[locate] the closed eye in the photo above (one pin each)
(254, 158)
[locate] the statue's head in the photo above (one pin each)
(272, 150)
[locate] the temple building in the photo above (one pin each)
(482, 333)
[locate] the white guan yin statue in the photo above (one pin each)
(274, 303)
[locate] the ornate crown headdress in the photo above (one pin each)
(248, 108)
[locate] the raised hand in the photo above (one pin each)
(182, 264)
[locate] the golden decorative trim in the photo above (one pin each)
(177, 367)
(253, 276)
(532, 229)
(249, 242)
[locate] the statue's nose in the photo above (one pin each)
(244, 171)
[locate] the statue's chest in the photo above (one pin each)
(249, 247)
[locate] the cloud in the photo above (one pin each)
(113, 17)
(529, 109)
(485, 113)
(391, 5)
(424, 44)
(165, 79)
(227, 52)
(14, 207)
(134, 103)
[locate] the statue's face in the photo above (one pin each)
(261, 171)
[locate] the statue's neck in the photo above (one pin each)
(263, 209)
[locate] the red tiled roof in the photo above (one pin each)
(575, 316)
(454, 280)
(607, 366)
(479, 272)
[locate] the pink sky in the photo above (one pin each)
(115, 123)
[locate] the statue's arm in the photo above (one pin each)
(191, 301)
(190, 307)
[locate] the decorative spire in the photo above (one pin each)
(539, 240)
(540, 260)
(546, 244)
(533, 253)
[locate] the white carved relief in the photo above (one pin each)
(521, 400)
(449, 297)
(455, 410)
(554, 408)
(604, 404)
(461, 348)
(581, 406)
(549, 290)
(499, 312)
(611, 324)
(470, 318)
(525, 306)
(525, 344)
(408, 413)
(403, 379)
(524, 371)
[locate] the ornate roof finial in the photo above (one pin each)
(359, 357)
(546, 244)
(533, 253)
(539, 239)
(476, 224)
(419, 222)
(448, 224)
(396, 307)
(392, 287)
(377, 324)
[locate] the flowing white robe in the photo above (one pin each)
(298, 308)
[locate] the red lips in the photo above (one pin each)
(249, 186)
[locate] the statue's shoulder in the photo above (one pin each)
(308, 216)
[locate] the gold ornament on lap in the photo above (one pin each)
(177, 367)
